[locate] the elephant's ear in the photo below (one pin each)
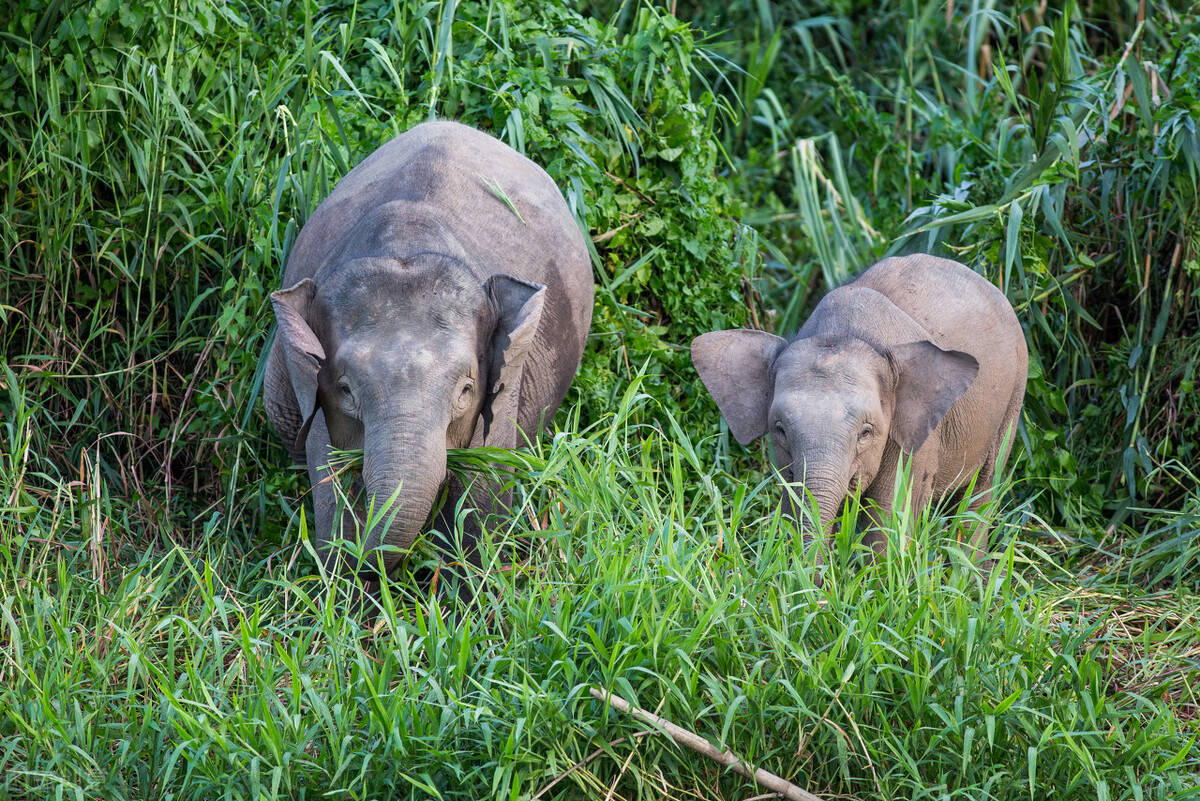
(518, 305)
(735, 367)
(929, 380)
(303, 349)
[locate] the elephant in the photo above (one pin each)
(440, 297)
(919, 357)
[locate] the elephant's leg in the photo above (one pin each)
(980, 529)
(451, 538)
(992, 467)
(535, 396)
(325, 500)
(880, 499)
(872, 523)
(458, 540)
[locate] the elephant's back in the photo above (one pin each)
(961, 309)
(442, 180)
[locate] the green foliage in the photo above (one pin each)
(158, 160)
(611, 115)
(915, 674)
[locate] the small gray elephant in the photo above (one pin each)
(919, 356)
(440, 297)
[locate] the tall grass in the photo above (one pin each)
(205, 671)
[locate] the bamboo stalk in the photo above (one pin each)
(702, 746)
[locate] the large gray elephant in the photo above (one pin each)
(440, 297)
(919, 356)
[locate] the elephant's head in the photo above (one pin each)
(405, 359)
(830, 403)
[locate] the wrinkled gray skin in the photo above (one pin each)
(919, 356)
(421, 313)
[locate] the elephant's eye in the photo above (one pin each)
(463, 400)
(865, 434)
(779, 430)
(344, 388)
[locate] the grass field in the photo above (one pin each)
(165, 631)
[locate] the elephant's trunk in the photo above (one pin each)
(415, 465)
(829, 497)
(828, 489)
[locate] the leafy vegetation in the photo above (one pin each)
(914, 674)
(164, 631)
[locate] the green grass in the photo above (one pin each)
(164, 629)
(212, 671)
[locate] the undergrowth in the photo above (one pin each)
(209, 671)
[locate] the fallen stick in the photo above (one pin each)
(701, 746)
